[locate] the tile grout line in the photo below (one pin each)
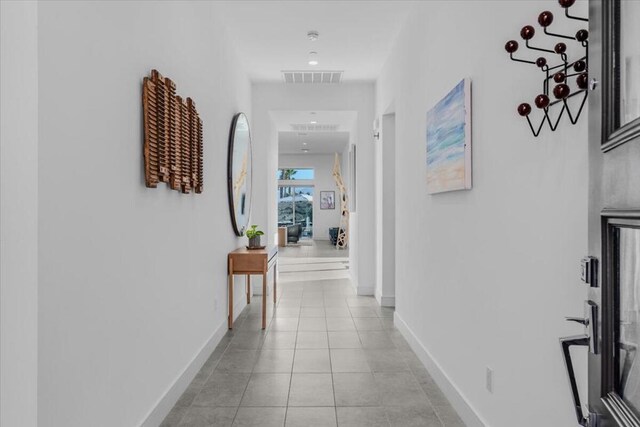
(333, 385)
(295, 351)
(329, 290)
(258, 350)
(188, 407)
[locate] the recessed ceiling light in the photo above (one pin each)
(313, 122)
(313, 35)
(305, 150)
(304, 143)
(313, 58)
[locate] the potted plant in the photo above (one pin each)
(254, 236)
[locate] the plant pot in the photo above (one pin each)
(254, 242)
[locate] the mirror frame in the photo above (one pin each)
(232, 133)
(613, 135)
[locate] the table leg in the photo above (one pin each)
(230, 301)
(264, 300)
(248, 288)
(275, 280)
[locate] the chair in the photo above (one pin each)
(293, 233)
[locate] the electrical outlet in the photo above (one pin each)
(489, 380)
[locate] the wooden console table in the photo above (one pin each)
(254, 261)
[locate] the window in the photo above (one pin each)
(295, 174)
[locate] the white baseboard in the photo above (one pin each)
(365, 291)
(387, 301)
(238, 307)
(466, 411)
(256, 289)
(168, 401)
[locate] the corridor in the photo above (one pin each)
(327, 358)
(475, 159)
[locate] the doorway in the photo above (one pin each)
(611, 327)
(295, 206)
(386, 212)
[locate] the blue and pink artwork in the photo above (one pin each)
(449, 141)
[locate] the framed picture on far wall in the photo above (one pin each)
(327, 200)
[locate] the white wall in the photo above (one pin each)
(386, 210)
(18, 215)
(494, 271)
(323, 219)
(132, 280)
(358, 97)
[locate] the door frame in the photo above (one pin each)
(612, 184)
(304, 184)
(610, 321)
(613, 135)
(385, 287)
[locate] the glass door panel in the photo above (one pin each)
(629, 317)
(285, 206)
(304, 210)
(295, 206)
(629, 66)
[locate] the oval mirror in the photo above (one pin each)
(239, 173)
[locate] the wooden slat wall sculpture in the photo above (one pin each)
(172, 136)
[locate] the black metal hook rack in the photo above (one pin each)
(560, 73)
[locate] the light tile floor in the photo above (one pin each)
(327, 358)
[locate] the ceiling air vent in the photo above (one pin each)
(302, 127)
(312, 77)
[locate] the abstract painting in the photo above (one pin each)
(449, 141)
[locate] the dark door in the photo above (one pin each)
(614, 206)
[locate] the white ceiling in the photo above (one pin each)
(285, 120)
(291, 138)
(317, 142)
(355, 36)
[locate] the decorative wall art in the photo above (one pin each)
(343, 231)
(449, 141)
(327, 200)
(353, 187)
(172, 136)
(561, 73)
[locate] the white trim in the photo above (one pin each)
(256, 289)
(361, 290)
(170, 398)
(354, 282)
(256, 285)
(239, 306)
(457, 399)
(387, 301)
(296, 182)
